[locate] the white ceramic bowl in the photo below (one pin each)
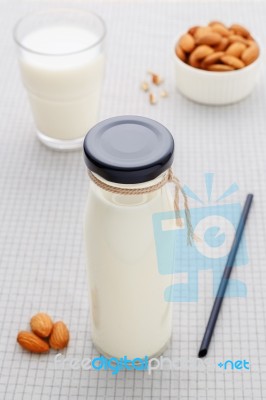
(215, 88)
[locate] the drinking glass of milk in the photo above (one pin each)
(129, 160)
(61, 58)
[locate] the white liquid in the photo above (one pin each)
(129, 315)
(64, 90)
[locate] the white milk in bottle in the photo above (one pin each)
(128, 160)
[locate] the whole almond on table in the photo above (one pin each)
(156, 79)
(152, 99)
(32, 342)
(60, 336)
(144, 86)
(41, 324)
(164, 93)
(250, 54)
(187, 43)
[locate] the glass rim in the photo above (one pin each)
(53, 11)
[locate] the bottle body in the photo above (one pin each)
(129, 315)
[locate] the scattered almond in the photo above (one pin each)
(41, 324)
(145, 86)
(43, 327)
(156, 79)
(32, 342)
(164, 93)
(60, 336)
(152, 99)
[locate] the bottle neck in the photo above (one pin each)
(129, 194)
(120, 188)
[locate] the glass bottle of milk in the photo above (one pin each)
(128, 159)
(61, 60)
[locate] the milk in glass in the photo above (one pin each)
(62, 68)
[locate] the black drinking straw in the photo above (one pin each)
(225, 278)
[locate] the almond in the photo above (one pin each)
(240, 30)
(202, 31)
(192, 30)
(198, 54)
(152, 99)
(202, 51)
(217, 48)
(32, 343)
(60, 336)
(144, 86)
(41, 324)
(250, 54)
(236, 49)
(180, 53)
(219, 68)
(237, 38)
(216, 23)
(194, 62)
(212, 59)
(164, 93)
(211, 39)
(232, 61)
(156, 79)
(222, 45)
(250, 41)
(221, 29)
(187, 42)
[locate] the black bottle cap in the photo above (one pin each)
(128, 149)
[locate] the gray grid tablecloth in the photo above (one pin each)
(43, 194)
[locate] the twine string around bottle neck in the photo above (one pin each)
(169, 177)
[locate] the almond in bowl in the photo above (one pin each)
(216, 64)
